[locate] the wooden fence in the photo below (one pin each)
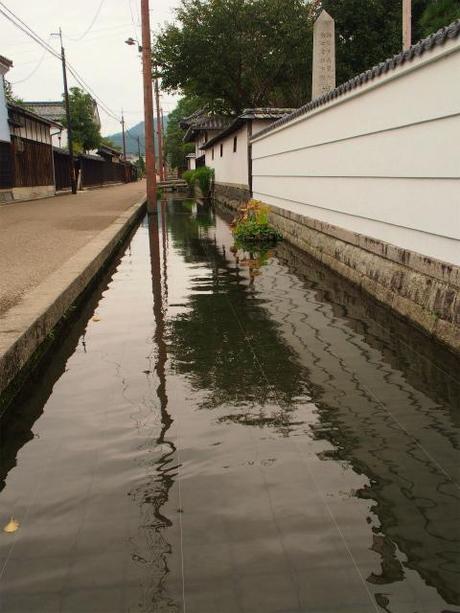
(6, 168)
(96, 171)
(32, 163)
(62, 169)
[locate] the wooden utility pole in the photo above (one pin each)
(163, 133)
(159, 130)
(407, 23)
(73, 181)
(148, 109)
(123, 134)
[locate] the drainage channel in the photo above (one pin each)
(223, 431)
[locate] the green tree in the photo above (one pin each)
(9, 94)
(86, 133)
(369, 31)
(175, 148)
(437, 15)
(247, 53)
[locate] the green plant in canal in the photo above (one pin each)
(252, 224)
(189, 178)
(160, 193)
(203, 177)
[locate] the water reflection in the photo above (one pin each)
(239, 432)
(153, 548)
(225, 331)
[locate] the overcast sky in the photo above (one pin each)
(110, 67)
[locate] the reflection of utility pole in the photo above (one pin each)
(407, 23)
(148, 109)
(73, 182)
(159, 130)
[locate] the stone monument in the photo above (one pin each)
(323, 55)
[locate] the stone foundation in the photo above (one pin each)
(423, 290)
(231, 195)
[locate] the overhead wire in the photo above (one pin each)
(35, 69)
(20, 24)
(89, 28)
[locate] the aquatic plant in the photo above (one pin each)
(252, 224)
(202, 176)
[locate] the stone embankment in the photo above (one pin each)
(51, 251)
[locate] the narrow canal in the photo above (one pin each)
(222, 432)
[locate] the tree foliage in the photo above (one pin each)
(9, 94)
(437, 15)
(248, 53)
(175, 148)
(86, 133)
(369, 31)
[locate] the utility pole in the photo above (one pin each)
(124, 145)
(148, 109)
(123, 133)
(73, 182)
(407, 23)
(139, 147)
(164, 139)
(159, 130)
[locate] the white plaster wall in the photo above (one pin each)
(4, 127)
(232, 168)
(383, 160)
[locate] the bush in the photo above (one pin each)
(204, 176)
(189, 177)
(252, 225)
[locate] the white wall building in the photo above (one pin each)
(229, 151)
(378, 156)
(200, 127)
(55, 111)
(367, 179)
(5, 65)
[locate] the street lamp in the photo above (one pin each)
(132, 41)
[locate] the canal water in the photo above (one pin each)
(231, 432)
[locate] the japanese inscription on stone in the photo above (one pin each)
(323, 55)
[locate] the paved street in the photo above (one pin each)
(37, 237)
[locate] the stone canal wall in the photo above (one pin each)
(370, 184)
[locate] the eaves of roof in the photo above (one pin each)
(437, 39)
(5, 61)
(247, 115)
(17, 108)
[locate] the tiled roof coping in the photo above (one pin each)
(5, 61)
(248, 115)
(437, 39)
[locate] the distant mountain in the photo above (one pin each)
(131, 137)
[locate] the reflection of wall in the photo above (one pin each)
(388, 402)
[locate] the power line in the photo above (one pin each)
(31, 74)
(99, 8)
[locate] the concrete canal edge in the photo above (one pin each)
(422, 290)
(28, 324)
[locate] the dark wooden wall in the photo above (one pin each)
(62, 169)
(32, 163)
(6, 167)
